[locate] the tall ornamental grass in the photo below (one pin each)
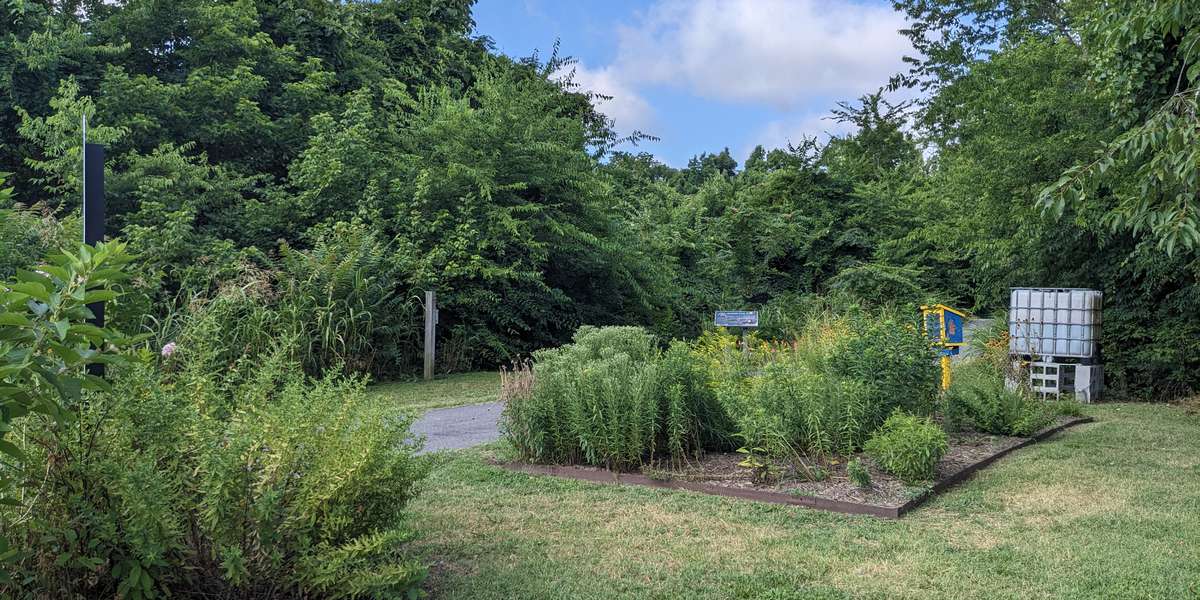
(612, 398)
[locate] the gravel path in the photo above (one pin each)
(459, 426)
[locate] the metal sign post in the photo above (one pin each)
(431, 319)
(743, 320)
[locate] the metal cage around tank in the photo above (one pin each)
(1054, 340)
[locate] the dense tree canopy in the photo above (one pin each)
(356, 153)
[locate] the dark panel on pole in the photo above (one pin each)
(93, 193)
(93, 220)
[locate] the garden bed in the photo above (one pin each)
(888, 497)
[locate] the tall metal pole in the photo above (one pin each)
(431, 318)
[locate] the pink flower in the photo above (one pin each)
(168, 350)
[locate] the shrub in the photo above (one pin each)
(690, 417)
(335, 304)
(46, 345)
(258, 482)
(859, 475)
(341, 301)
(611, 398)
(887, 351)
(829, 388)
(793, 406)
(978, 398)
(908, 446)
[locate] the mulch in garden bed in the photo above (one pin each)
(887, 497)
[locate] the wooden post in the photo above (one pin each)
(945, 372)
(430, 332)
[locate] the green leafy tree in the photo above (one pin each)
(1149, 67)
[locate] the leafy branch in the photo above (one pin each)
(1165, 155)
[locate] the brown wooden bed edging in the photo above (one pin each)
(842, 506)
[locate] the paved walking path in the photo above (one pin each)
(459, 426)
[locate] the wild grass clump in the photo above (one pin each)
(516, 383)
(611, 398)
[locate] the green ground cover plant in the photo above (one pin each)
(908, 446)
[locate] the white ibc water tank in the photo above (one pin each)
(1055, 322)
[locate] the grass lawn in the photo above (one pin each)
(1104, 510)
(451, 390)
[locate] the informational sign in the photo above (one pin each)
(736, 318)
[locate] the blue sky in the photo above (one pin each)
(706, 74)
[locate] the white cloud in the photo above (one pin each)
(778, 52)
(781, 132)
(628, 109)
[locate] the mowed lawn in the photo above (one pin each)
(1103, 510)
(450, 390)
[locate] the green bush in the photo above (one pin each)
(829, 388)
(335, 304)
(791, 406)
(612, 399)
(859, 475)
(979, 399)
(908, 446)
(247, 483)
(47, 345)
